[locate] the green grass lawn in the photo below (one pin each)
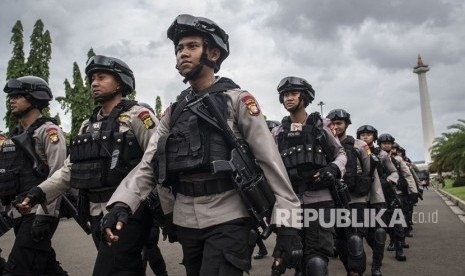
(456, 191)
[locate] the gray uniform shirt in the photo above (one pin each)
(338, 154)
(363, 166)
(50, 146)
(376, 193)
(405, 170)
(247, 123)
(130, 120)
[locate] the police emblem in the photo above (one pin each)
(53, 135)
(145, 117)
(251, 105)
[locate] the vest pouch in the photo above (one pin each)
(83, 148)
(319, 157)
(118, 169)
(131, 151)
(180, 156)
(89, 174)
(286, 159)
(300, 154)
(363, 186)
(106, 144)
(260, 196)
(8, 184)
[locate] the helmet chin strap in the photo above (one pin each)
(194, 73)
(108, 97)
(294, 109)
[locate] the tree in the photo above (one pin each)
(16, 67)
(40, 52)
(77, 100)
(158, 107)
(448, 151)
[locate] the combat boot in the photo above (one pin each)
(400, 252)
(391, 246)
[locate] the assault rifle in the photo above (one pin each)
(248, 178)
(69, 210)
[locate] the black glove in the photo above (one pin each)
(42, 227)
(169, 229)
(330, 173)
(413, 198)
(35, 195)
(119, 212)
(288, 247)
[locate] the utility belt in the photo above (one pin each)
(359, 185)
(308, 185)
(194, 188)
(100, 196)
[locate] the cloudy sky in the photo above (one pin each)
(357, 54)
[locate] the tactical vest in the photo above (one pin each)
(358, 183)
(191, 144)
(302, 153)
(17, 173)
(102, 156)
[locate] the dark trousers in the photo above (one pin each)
(217, 250)
(28, 257)
(124, 257)
(152, 254)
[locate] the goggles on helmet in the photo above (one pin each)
(292, 83)
(15, 85)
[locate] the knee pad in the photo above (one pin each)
(317, 266)
(380, 236)
(356, 260)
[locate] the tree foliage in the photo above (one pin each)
(448, 151)
(37, 63)
(158, 107)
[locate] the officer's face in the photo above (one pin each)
(340, 127)
(188, 53)
(103, 84)
(292, 100)
(367, 138)
(18, 103)
(386, 146)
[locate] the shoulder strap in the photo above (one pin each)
(39, 122)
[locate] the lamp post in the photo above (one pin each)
(321, 106)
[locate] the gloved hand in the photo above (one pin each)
(330, 173)
(288, 247)
(42, 227)
(168, 229)
(25, 201)
(118, 213)
(413, 198)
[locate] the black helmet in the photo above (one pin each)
(367, 129)
(339, 114)
(186, 24)
(395, 145)
(297, 84)
(272, 124)
(386, 137)
(114, 66)
(35, 89)
(146, 105)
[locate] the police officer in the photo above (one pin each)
(109, 144)
(384, 173)
(314, 159)
(34, 151)
(385, 141)
(358, 177)
(210, 217)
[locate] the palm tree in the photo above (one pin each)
(448, 151)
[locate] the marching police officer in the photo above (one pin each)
(34, 151)
(358, 177)
(384, 173)
(109, 144)
(404, 187)
(314, 159)
(210, 218)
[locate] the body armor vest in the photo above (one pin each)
(358, 183)
(302, 153)
(102, 156)
(191, 145)
(17, 171)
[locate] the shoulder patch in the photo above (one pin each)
(2, 138)
(145, 117)
(251, 105)
(53, 135)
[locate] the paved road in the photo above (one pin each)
(437, 248)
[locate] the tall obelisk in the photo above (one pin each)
(426, 117)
